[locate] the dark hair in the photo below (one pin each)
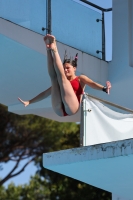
(72, 62)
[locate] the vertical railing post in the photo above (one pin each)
(103, 25)
(82, 119)
(103, 37)
(48, 16)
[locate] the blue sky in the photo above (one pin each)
(31, 169)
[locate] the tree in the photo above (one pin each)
(32, 191)
(29, 137)
(41, 189)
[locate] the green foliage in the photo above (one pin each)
(65, 188)
(41, 189)
(33, 191)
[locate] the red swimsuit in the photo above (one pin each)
(77, 89)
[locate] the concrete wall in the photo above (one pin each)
(121, 67)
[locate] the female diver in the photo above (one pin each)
(67, 88)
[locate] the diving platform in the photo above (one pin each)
(107, 166)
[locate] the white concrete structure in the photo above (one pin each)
(24, 73)
(106, 166)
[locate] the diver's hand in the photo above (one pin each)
(108, 87)
(26, 103)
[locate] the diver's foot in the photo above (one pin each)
(50, 42)
(47, 42)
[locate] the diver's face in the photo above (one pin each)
(69, 69)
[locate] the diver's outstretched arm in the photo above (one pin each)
(37, 98)
(95, 85)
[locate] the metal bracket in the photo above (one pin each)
(99, 52)
(98, 20)
(89, 110)
(43, 29)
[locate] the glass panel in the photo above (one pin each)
(72, 23)
(75, 25)
(30, 14)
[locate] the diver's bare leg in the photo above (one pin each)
(55, 92)
(69, 98)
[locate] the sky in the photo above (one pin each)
(31, 169)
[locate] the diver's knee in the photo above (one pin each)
(58, 110)
(71, 111)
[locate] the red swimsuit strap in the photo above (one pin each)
(77, 78)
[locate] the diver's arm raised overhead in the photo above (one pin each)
(37, 98)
